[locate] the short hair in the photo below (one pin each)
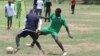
(58, 10)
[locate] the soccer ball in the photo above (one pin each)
(9, 50)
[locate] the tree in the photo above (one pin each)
(91, 1)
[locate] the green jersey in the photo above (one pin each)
(55, 26)
(57, 23)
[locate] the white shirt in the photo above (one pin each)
(10, 10)
(39, 4)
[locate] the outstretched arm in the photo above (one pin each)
(67, 29)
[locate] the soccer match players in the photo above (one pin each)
(57, 22)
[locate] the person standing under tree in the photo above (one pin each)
(48, 5)
(9, 13)
(73, 2)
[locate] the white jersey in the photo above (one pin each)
(39, 4)
(10, 10)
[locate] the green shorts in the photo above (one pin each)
(48, 31)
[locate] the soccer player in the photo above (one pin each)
(31, 28)
(73, 6)
(9, 13)
(48, 10)
(57, 22)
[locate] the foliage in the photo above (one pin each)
(91, 1)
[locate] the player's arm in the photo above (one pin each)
(67, 30)
(39, 25)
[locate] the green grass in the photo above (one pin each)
(84, 26)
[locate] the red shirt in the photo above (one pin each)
(73, 2)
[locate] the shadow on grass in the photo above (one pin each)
(55, 54)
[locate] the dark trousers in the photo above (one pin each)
(73, 8)
(33, 35)
(39, 12)
(25, 33)
(47, 14)
(9, 22)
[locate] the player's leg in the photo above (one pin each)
(40, 13)
(22, 34)
(46, 15)
(18, 40)
(35, 36)
(42, 32)
(49, 12)
(72, 8)
(10, 21)
(59, 44)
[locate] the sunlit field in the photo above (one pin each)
(84, 26)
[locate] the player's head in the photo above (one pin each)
(58, 12)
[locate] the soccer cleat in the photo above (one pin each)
(65, 53)
(29, 45)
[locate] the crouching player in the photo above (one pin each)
(31, 28)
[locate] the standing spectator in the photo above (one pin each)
(39, 7)
(48, 10)
(73, 6)
(9, 13)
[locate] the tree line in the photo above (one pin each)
(80, 1)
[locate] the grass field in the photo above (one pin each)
(84, 26)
